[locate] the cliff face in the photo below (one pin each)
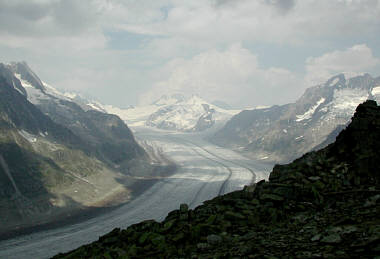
(323, 205)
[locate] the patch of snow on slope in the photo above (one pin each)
(18, 90)
(34, 95)
(52, 91)
(307, 115)
(376, 90)
(29, 137)
(345, 102)
(70, 95)
(332, 83)
(96, 106)
(376, 93)
(24, 83)
(348, 99)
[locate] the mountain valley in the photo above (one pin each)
(77, 155)
(324, 204)
(189, 129)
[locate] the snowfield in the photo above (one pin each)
(376, 93)
(344, 102)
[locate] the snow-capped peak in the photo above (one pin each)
(38, 91)
(169, 99)
(174, 112)
(195, 99)
(187, 114)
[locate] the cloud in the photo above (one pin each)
(225, 21)
(47, 18)
(233, 76)
(354, 60)
(282, 5)
(72, 16)
(55, 28)
(209, 24)
(151, 40)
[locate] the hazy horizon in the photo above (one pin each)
(244, 53)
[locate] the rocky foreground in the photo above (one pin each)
(323, 205)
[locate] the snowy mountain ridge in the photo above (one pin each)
(175, 112)
(169, 112)
(282, 133)
(39, 92)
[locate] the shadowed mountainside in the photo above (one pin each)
(57, 159)
(104, 135)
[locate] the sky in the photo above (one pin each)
(242, 52)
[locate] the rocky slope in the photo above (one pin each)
(323, 205)
(56, 158)
(282, 133)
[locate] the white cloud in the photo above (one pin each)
(209, 23)
(233, 75)
(36, 19)
(64, 35)
(352, 61)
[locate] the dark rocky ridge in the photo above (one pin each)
(322, 205)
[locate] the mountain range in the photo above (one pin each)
(58, 157)
(174, 112)
(282, 133)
